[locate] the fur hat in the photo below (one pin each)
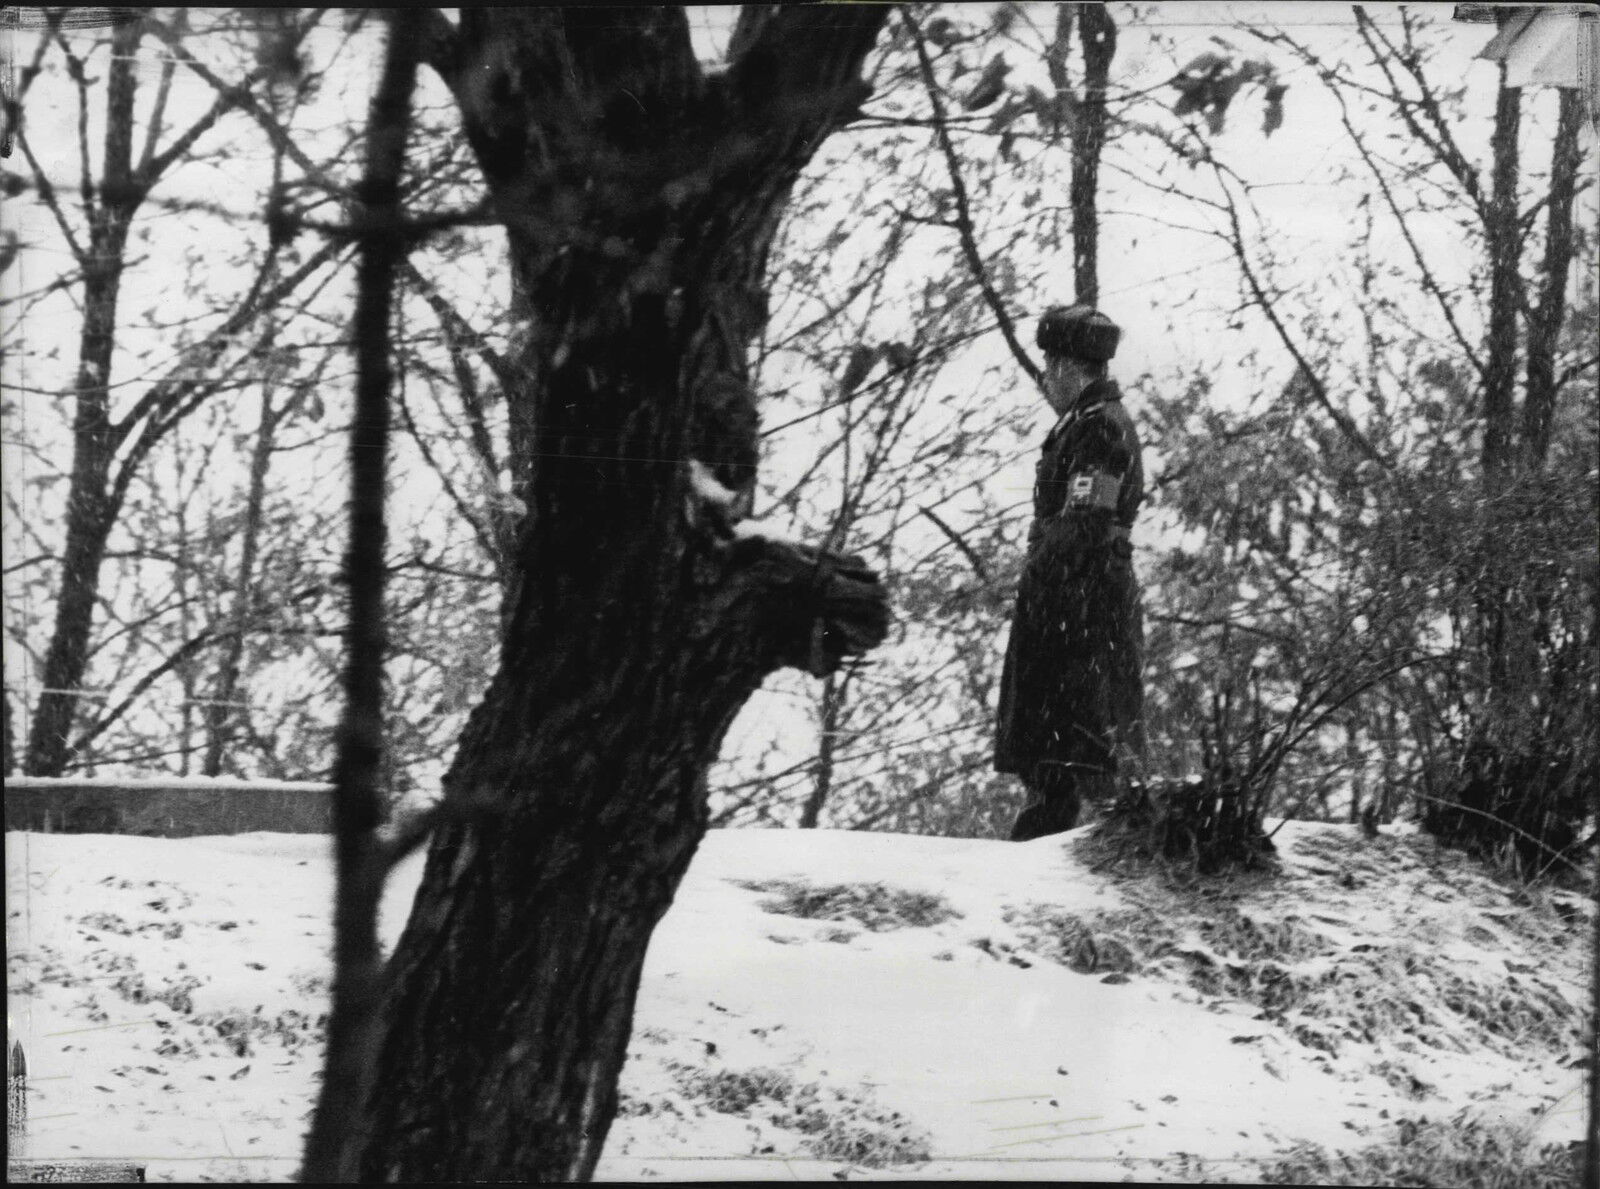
(1078, 332)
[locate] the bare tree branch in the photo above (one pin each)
(1429, 281)
(246, 102)
(176, 385)
(184, 652)
(486, 539)
(158, 111)
(1573, 371)
(1262, 301)
(80, 80)
(151, 171)
(457, 329)
(969, 244)
(440, 45)
(1437, 136)
(47, 194)
(959, 542)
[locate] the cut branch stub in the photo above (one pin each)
(824, 607)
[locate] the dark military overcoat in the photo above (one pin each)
(1072, 692)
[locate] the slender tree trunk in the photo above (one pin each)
(224, 693)
(333, 1147)
(640, 200)
(1493, 585)
(1591, 1149)
(89, 515)
(1504, 241)
(8, 744)
(1544, 324)
(1098, 33)
(827, 736)
(1352, 755)
(1514, 731)
(188, 670)
(1391, 766)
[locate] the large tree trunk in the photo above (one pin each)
(513, 988)
(639, 199)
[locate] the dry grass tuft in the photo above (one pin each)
(1462, 1153)
(833, 1126)
(872, 905)
(1323, 993)
(1203, 825)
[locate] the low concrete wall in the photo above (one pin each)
(166, 809)
(73, 1172)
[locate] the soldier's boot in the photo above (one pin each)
(1098, 791)
(1052, 807)
(1044, 818)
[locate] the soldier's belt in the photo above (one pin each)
(1119, 536)
(1119, 540)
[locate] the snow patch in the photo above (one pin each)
(817, 1001)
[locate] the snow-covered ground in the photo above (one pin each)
(821, 1001)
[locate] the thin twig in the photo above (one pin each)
(959, 542)
(969, 244)
(1265, 304)
(47, 193)
(1429, 282)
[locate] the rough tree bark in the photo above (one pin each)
(639, 198)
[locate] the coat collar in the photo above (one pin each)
(1099, 391)
(1095, 394)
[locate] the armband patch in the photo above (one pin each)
(1093, 489)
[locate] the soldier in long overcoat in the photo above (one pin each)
(1072, 694)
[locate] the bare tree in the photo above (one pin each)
(639, 197)
(110, 448)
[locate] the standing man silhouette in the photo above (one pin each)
(1072, 693)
